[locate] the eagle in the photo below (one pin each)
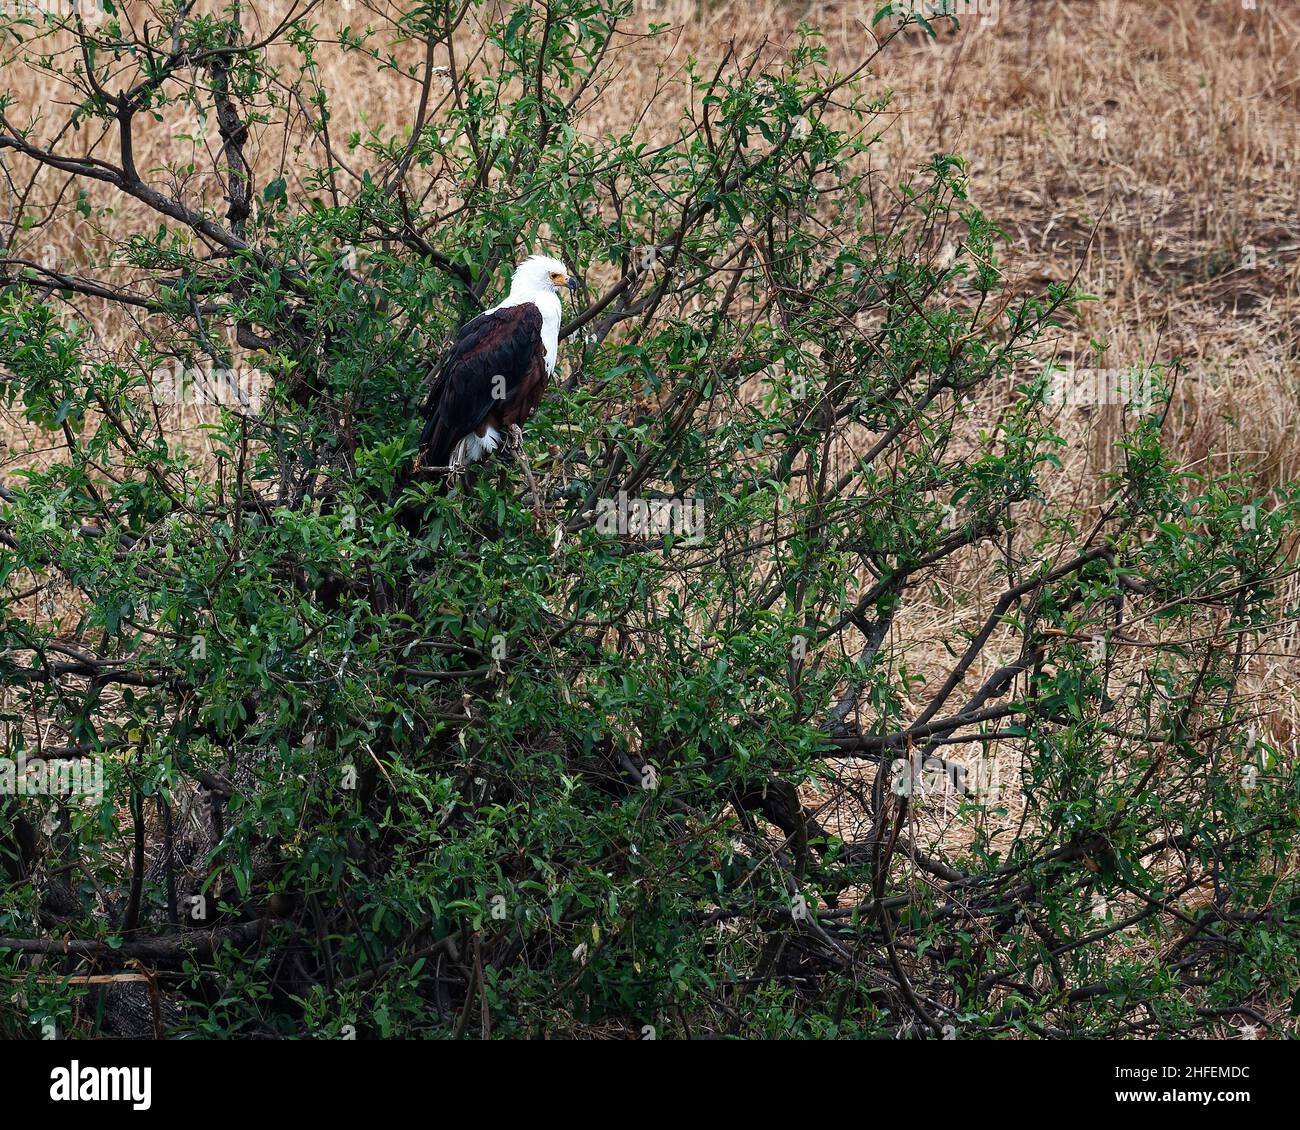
(492, 378)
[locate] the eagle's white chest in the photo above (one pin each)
(551, 334)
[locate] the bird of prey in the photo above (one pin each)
(493, 377)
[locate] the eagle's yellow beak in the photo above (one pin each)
(564, 281)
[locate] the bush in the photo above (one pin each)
(627, 734)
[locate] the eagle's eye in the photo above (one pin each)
(557, 278)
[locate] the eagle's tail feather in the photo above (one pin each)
(436, 442)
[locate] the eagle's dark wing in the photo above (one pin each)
(465, 393)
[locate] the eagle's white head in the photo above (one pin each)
(540, 274)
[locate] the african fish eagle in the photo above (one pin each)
(493, 377)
